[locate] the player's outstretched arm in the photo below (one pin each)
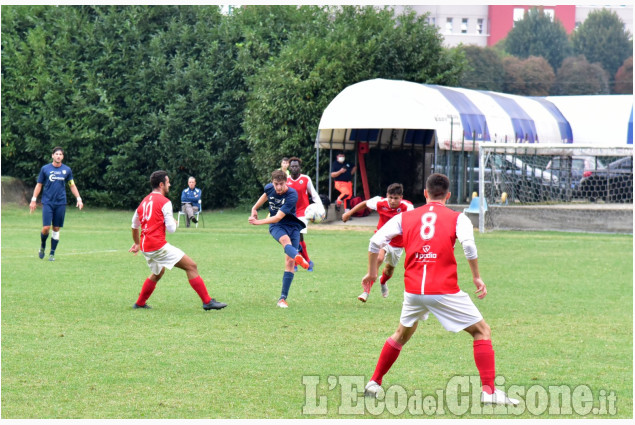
(254, 210)
(347, 215)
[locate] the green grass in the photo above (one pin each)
(560, 306)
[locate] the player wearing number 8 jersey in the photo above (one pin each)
(431, 285)
(154, 217)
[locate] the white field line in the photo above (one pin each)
(64, 254)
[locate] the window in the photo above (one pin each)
(432, 20)
(550, 13)
(519, 14)
(448, 25)
(464, 26)
(479, 26)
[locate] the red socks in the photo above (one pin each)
(485, 363)
(199, 286)
(304, 252)
(146, 291)
(388, 355)
(383, 279)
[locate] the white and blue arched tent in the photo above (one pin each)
(391, 114)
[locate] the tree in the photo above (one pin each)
(292, 90)
(577, 76)
(537, 35)
(624, 78)
(484, 70)
(530, 77)
(602, 38)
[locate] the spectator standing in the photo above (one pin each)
(342, 172)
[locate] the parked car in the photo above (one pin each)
(571, 169)
(613, 183)
(522, 181)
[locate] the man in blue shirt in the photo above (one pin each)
(284, 226)
(191, 200)
(53, 177)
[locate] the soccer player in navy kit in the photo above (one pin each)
(53, 177)
(284, 226)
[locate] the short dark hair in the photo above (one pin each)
(278, 175)
(284, 159)
(295, 158)
(157, 178)
(395, 189)
(437, 186)
(57, 148)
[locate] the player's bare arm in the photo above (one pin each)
(135, 246)
(269, 220)
(347, 215)
(75, 192)
(254, 210)
(481, 290)
(36, 192)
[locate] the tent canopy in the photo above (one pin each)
(393, 114)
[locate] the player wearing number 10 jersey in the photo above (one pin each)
(429, 234)
(154, 217)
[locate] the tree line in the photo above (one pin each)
(538, 58)
(127, 90)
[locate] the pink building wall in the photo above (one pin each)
(501, 19)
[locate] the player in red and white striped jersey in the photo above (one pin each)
(431, 285)
(154, 217)
(388, 207)
(304, 186)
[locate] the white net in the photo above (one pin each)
(513, 175)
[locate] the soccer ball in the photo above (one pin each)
(314, 213)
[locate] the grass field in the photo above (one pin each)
(560, 306)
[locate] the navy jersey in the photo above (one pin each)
(285, 203)
(193, 196)
(54, 181)
(345, 176)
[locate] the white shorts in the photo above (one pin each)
(455, 311)
(393, 255)
(166, 257)
(306, 224)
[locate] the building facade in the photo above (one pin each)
(484, 25)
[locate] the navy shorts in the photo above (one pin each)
(292, 230)
(53, 214)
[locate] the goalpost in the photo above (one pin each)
(522, 174)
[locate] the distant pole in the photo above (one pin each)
(481, 190)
